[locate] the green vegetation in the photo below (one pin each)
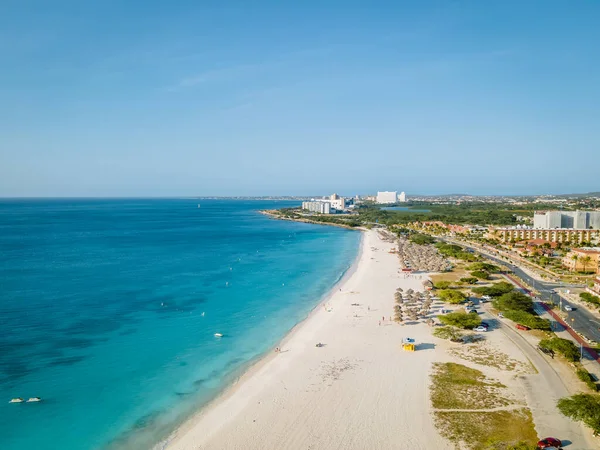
(450, 333)
(455, 251)
(582, 408)
(442, 285)
(529, 320)
(469, 280)
(452, 296)
(563, 346)
(495, 290)
(481, 274)
(459, 387)
(421, 239)
(491, 268)
(455, 386)
(589, 298)
(462, 320)
(495, 430)
(587, 378)
(514, 301)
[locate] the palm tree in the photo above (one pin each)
(585, 260)
(574, 258)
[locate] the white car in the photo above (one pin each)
(480, 328)
(568, 308)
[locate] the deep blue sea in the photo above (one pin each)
(109, 308)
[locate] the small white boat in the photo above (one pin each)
(33, 399)
(16, 400)
(218, 335)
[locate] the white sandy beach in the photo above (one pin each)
(359, 391)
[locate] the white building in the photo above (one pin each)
(318, 207)
(402, 197)
(337, 202)
(578, 220)
(387, 197)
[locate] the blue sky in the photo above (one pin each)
(153, 98)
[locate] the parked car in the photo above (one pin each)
(485, 324)
(480, 329)
(501, 315)
(522, 327)
(568, 308)
(549, 442)
(445, 311)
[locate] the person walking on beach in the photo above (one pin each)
(380, 323)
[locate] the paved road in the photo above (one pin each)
(579, 319)
(543, 390)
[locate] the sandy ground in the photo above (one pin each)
(359, 391)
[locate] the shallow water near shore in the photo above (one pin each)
(110, 307)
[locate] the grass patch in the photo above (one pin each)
(488, 430)
(455, 386)
(485, 356)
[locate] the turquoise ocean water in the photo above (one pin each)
(109, 308)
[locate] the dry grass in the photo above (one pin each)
(485, 355)
(488, 430)
(455, 386)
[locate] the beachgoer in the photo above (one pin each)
(369, 308)
(380, 323)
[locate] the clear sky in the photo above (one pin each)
(156, 98)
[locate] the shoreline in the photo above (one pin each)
(307, 397)
(260, 360)
(269, 213)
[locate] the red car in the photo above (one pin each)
(549, 442)
(523, 327)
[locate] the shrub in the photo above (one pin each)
(589, 298)
(529, 320)
(469, 280)
(514, 301)
(587, 378)
(450, 333)
(583, 408)
(487, 267)
(421, 239)
(461, 320)
(563, 346)
(495, 290)
(442, 285)
(481, 274)
(452, 296)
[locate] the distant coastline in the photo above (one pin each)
(274, 214)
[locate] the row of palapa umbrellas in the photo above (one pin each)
(421, 257)
(413, 305)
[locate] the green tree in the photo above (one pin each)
(529, 320)
(585, 261)
(484, 266)
(481, 274)
(563, 346)
(461, 320)
(421, 239)
(495, 290)
(574, 258)
(514, 301)
(582, 408)
(452, 296)
(442, 285)
(469, 280)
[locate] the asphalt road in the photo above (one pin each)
(579, 319)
